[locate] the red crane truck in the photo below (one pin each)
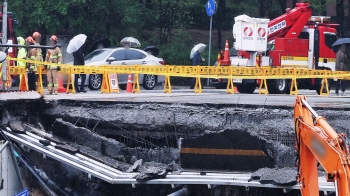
(300, 40)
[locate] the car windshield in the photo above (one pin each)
(97, 55)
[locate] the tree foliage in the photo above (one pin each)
(153, 22)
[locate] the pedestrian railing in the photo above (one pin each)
(198, 72)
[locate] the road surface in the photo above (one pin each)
(209, 96)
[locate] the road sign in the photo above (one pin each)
(23, 193)
(211, 7)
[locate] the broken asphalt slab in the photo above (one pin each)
(277, 176)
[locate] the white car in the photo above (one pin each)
(122, 56)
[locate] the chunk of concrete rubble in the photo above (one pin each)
(277, 176)
(256, 175)
(111, 148)
(76, 134)
(95, 155)
(85, 137)
(16, 126)
(174, 168)
(135, 167)
(153, 170)
(150, 174)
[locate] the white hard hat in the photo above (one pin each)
(272, 42)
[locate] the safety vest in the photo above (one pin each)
(22, 53)
(54, 56)
(32, 56)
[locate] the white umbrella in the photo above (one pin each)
(130, 40)
(76, 43)
(196, 48)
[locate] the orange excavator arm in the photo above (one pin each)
(316, 141)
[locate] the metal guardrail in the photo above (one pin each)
(114, 176)
(228, 72)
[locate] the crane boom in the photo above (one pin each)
(290, 24)
(317, 141)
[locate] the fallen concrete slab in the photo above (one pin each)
(276, 176)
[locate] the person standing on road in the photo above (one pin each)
(37, 40)
(31, 67)
(39, 53)
(341, 65)
(22, 53)
(79, 61)
(53, 56)
(197, 60)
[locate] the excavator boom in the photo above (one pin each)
(316, 141)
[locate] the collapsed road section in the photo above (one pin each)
(73, 158)
(155, 143)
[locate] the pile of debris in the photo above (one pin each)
(152, 170)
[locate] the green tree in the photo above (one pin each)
(171, 15)
(320, 6)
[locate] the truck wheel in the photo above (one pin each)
(279, 86)
(319, 84)
(247, 88)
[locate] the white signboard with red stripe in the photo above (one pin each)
(250, 33)
(113, 82)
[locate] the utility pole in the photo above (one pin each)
(4, 41)
(210, 7)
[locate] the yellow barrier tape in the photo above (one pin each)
(189, 71)
(228, 72)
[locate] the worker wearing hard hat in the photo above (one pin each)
(37, 39)
(53, 56)
(31, 54)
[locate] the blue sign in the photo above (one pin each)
(211, 7)
(23, 193)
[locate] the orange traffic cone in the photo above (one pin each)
(226, 60)
(23, 83)
(129, 85)
(61, 89)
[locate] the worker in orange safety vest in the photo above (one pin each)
(53, 56)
